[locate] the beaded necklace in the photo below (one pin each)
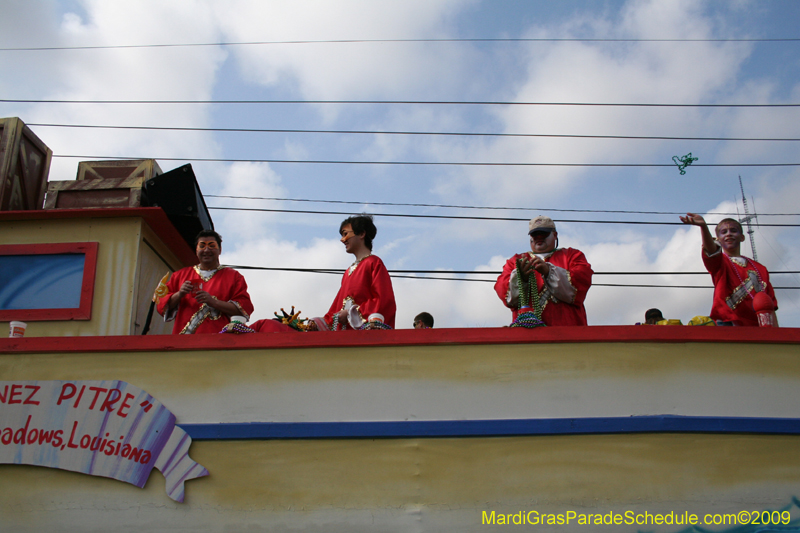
(741, 280)
(525, 300)
(352, 267)
(210, 272)
(528, 317)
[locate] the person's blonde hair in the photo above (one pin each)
(729, 221)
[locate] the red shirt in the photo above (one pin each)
(225, 284)
(555, 312)
(734, 287)
(370, 288)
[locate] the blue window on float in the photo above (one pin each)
(51, 281)
(47, 281)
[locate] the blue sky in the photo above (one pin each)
(544, 71)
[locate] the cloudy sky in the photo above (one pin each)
(510, 52)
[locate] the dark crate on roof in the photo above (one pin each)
(24, 166)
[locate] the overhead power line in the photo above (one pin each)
(631, 285)
(457, 217)
(429, 133)
(622, 285)
(399, 274)
(391, 102)
(397, 41)
(485, 272)
(619, 285)
(426, 163)
(447, 206)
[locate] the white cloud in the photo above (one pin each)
(137, 74)
(270, 290)
(242, 180)
(610, 73)
(346, 70)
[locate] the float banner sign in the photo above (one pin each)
(102, 428)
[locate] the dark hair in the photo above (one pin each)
(653, 313)
(361, 224)
(730, 221)
(425, 318)
(208, 233)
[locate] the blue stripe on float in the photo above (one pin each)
(492, 428)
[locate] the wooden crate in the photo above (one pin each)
(131, 168)
(103, 184)
(24, 166)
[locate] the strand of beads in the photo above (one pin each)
(528, 317)
(524, 297)
(352, 267)
(237, 327)
(527, 320)
(741, 280)
(375, 324)
(536, 296)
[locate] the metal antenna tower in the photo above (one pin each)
(746, 220)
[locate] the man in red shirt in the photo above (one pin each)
(736, 278)
(562, 277)
(366, 298)
(202, 298)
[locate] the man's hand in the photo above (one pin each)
(526, 266)
(693, 219)
(541, 266)
(204, 298)
(186, 288)
(226, 308)
(709, 244)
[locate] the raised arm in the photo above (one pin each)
(709, 244)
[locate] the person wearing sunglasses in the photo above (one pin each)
(548, 282)
(366, 298)
(203, 298)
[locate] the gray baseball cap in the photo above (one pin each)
(541, 224)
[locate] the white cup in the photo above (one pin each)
(17, 328)
(239, 319)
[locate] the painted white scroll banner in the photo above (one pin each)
(101, 428)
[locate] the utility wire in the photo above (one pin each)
(368, 41)
(427, 133)
(457, 217)
(393, 102)
(394, 274)
(427, 163)
(484, 272)
(479, 207)
(619, 285)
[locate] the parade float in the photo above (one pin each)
(613, 428)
